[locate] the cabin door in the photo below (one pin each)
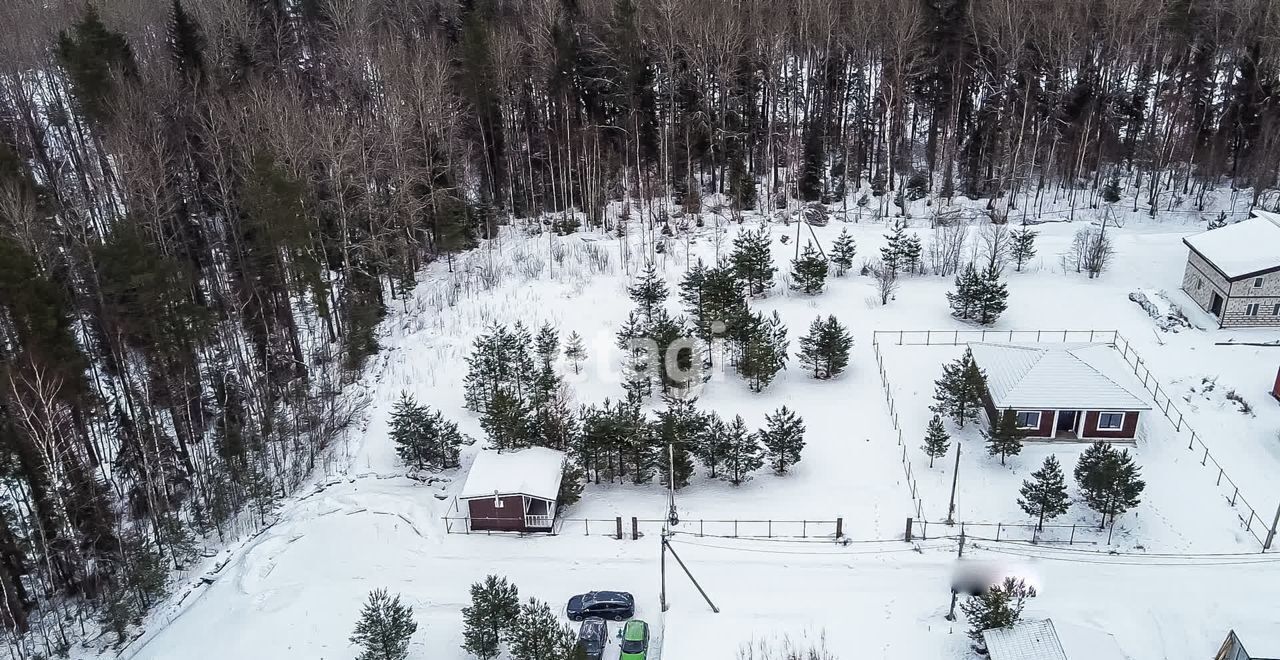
(1215, 305)
(1067, 422)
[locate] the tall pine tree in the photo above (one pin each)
(384, 628)
(495, 605)
(809, 272)
(1004, 438)
(825, 350)
(936, 439)
(1045, 498)
(783, 439)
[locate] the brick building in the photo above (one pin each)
(1233, 272)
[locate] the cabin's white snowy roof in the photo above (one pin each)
(1260, 640)
(534, 472)
(1055, 377)
(1043, 640)
(1247, 247)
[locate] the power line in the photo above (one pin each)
(1166, 561)
(913, 548)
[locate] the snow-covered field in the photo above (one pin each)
(1182, 579)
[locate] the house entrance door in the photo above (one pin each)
(1067, 423)
(1215, 305)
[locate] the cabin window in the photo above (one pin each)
(1199, 283)
(1028, 419)
(1251, 309)
(1110, 421)
(1257, 282)
(1276, 310)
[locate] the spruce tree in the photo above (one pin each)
(809, 272)
(538, 634)
(574, 351)
(1023, 247)
(713, 299)
(713, 444)
(676, 432)
(1046, 497)
(638, 357)
(186, 43)
(762, 349)
(384, 629)
(675, 368)
(649, 290)
(959, 392)
(1108, 480)
(936, 440)
(508, 422)
(743, 453)
(752, 261)
(547, 345)
(571, 476)
(909, 253)
(783, 439)
(1004, 438)
(891, 253)
(992, 297)
(825, 349)
(495, 604)
(640, 455)
(843, 250)
(998, 607)
(964, 299)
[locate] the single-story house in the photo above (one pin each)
(1044, 640)
(1060, 391)
(1264, 644)
(1233, 272)
(513, 491)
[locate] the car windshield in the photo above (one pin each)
(632, 646)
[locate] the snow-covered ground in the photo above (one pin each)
(295, 590)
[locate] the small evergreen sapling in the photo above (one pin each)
(649, 290)
(384, 628)
(993, 297)
(495, 604)
(910, 252)
(936, 439)
(1023, 247)
(574, 351)
(743, 454)
(825, 350)
(1046, 496)
(842, 253)
(891, 253)
(964, 299)
(1004, 438)
(713, 445)
(809, 272)
(998, 607)
(761, 348)
(783, 439)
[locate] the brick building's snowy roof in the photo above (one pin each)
(1043, 640)
(1246, 248)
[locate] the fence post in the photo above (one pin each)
(1205, 460)
(899, 337)
(1233, 496)
(804, 529)
(770, 529)
(839, 527)
(1192, 445)
(701, 531)
(1219, 482)
(586, 525)
(1178, 427)
(907, 535)
(635, 528)
(619, 521)
(1073, 535)
(735, 529)
(998, 526)
(924, 530)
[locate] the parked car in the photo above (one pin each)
(635, 640)
(592, 637)
(615, 605)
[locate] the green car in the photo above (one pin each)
(635, 640)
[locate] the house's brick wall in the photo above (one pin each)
(1201, 279)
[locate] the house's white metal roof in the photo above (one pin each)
(1261, 640)
(1043, 640)
(1055, 377)
(1246, 247)
(534, 472)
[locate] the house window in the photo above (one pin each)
(1028, 419)
(1110, 421)
(1257, 282)
(1276, 310)
(1251, 309)
(1199, 283)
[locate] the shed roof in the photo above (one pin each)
(1260, 640)
(1242, 249)
(1055, 377)
(1043, 640)
(534, 472)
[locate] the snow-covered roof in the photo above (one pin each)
(1242, 249)
(534, 472)
(1042, 640)
(1055, 377)
(1260, 640)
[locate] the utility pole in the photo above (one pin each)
(955, 476)
(1271, 534)
(662, 568)
(667, 547)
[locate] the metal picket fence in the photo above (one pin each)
(917, 502)
(1228, 488)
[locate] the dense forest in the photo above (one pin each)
(207, 206)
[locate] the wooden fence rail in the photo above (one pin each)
(633, 528)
